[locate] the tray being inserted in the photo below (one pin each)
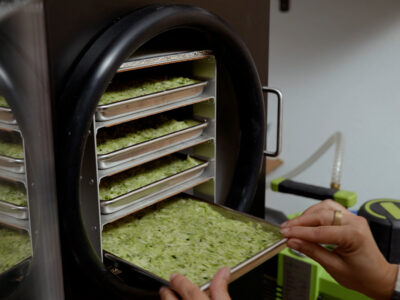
(113, 205)
(125, 107)
(117, 157)
(236, 271)
(15, 165)
(14, 211)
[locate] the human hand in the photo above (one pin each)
(189, 291)
(356, 262)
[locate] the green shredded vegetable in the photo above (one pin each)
(13, 193)
(128, 134)
(127, 181)
(14, 247)
(11, 145)
(3, 102)
(118, 91)
(188, 237)
(12, 150)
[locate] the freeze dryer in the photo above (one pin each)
(151, 66)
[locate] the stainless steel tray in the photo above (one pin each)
(153, 199)
(236, 271)
(15, 274)
(126, 107)
(157, 59)
(7, 175)
(117, 157)
(15, 165)
(110, 206)
(12, 210)
(6, 116)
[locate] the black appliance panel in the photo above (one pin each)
(25, 85)
(89, 80)
(81, 22)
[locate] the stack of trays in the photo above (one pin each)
(145, 161)
(13, 196)
(137, 129)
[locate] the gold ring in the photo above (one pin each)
(337, 217)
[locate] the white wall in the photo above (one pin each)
(337, 63)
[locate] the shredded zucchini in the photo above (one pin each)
(11, 145)
(3, 102)
(13, 193)
(118, 91)
(13, 150)
(186, 236)
(122, 183)
(128, 134)
(14, 247)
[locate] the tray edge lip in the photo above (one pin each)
(13, 206)
(5, 109)
(153, 140)
(100, 108)
(139, 203)
(203, 165)
(11, 159)
(203, 54)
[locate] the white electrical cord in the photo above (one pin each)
(336, 138)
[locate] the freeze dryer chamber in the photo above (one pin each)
(178, 70)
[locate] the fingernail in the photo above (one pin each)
(173, 276)
(285, 231)
(226, 273)
(284, 224)
(162, 290)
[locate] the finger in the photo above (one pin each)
(330, 261)
(324, 217)
(326, 205)
(336, 235)
(219, 285)
(167, 294)
(185, 288)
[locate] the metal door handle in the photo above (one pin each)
(278, 94)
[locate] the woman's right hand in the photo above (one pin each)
(356, 262)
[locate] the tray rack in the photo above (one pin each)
(189, 141)
(12, 170)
